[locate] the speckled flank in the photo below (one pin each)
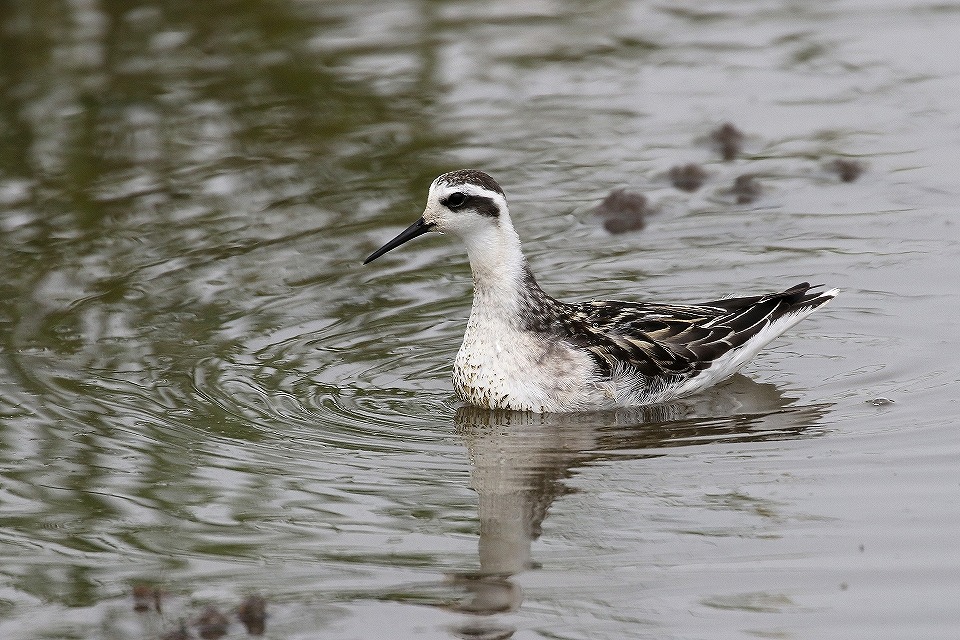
(524, 350)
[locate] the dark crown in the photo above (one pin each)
(471, 176)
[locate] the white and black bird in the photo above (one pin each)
(523, 350)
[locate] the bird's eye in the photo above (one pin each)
(455, 200)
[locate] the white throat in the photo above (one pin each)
(497, 264)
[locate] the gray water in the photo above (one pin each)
(202, 392)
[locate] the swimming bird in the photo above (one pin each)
(524, 350)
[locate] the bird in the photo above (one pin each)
(524, 350)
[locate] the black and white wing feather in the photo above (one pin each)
(665, 340)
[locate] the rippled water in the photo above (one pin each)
(202, 391)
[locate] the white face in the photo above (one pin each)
(463, 208)
(468, 203)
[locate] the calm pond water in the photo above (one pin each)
(205, 396)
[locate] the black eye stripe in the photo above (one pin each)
(485, 206)
(481, 204)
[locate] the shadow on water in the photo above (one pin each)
(519, 463)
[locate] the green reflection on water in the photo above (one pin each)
(163, 166)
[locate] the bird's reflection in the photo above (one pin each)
(519, 461)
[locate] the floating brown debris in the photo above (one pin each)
(746, 188)
(623, 225)
(846, 170)
(252, 612)
(146, 597)
(179, 634)
(623, 211)
(687, 177)
(211, 623)
(727, 140)
(622, 202)
(482, 630)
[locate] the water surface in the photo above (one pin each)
(203, 392)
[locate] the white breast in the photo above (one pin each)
(501, 367)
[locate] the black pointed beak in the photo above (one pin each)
(418, 228)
